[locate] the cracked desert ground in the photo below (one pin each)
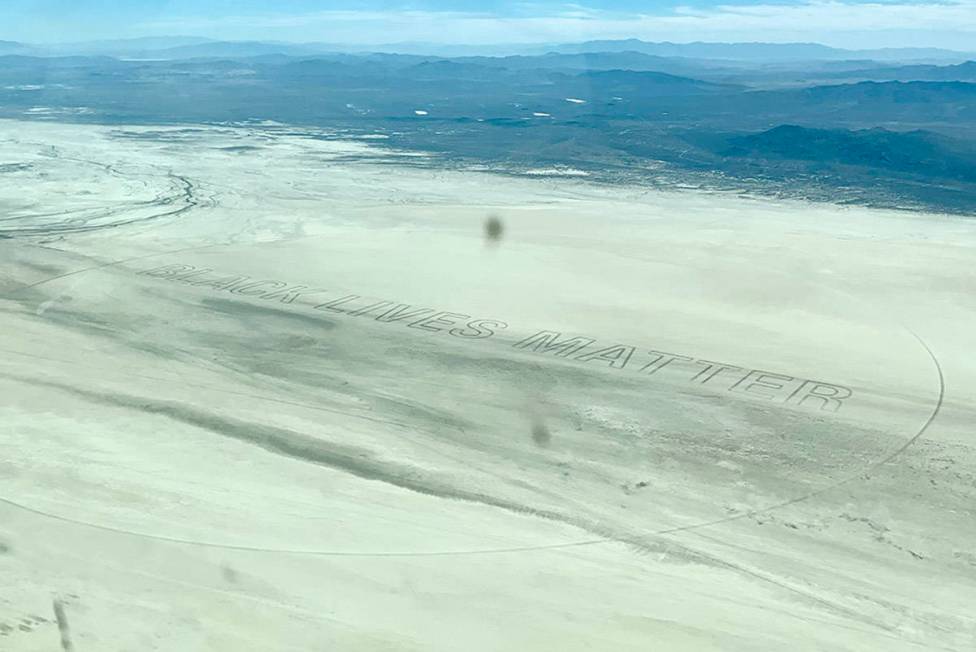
(265, 388)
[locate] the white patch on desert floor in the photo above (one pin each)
(233, 452)
(557, 172)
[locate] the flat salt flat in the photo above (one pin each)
(263, 388)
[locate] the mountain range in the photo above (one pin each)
(884, 133)
(186, 47)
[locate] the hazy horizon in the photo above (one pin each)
(171, 40)
(848, 25)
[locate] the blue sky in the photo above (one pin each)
(876, 23)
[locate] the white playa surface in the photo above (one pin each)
(261, 389)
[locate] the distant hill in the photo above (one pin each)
(701, 50)
(965, 71)
(13, 47)
(759, 51)
(624, 60)
(879, 103)
(915, 152)
(140, 43)
(635, 85)
(10, 62)
(893, 92)
(219, 49)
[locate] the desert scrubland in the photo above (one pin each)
(263, 388)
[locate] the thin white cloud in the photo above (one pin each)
(317, 19)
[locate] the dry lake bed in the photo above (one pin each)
(266, 388)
